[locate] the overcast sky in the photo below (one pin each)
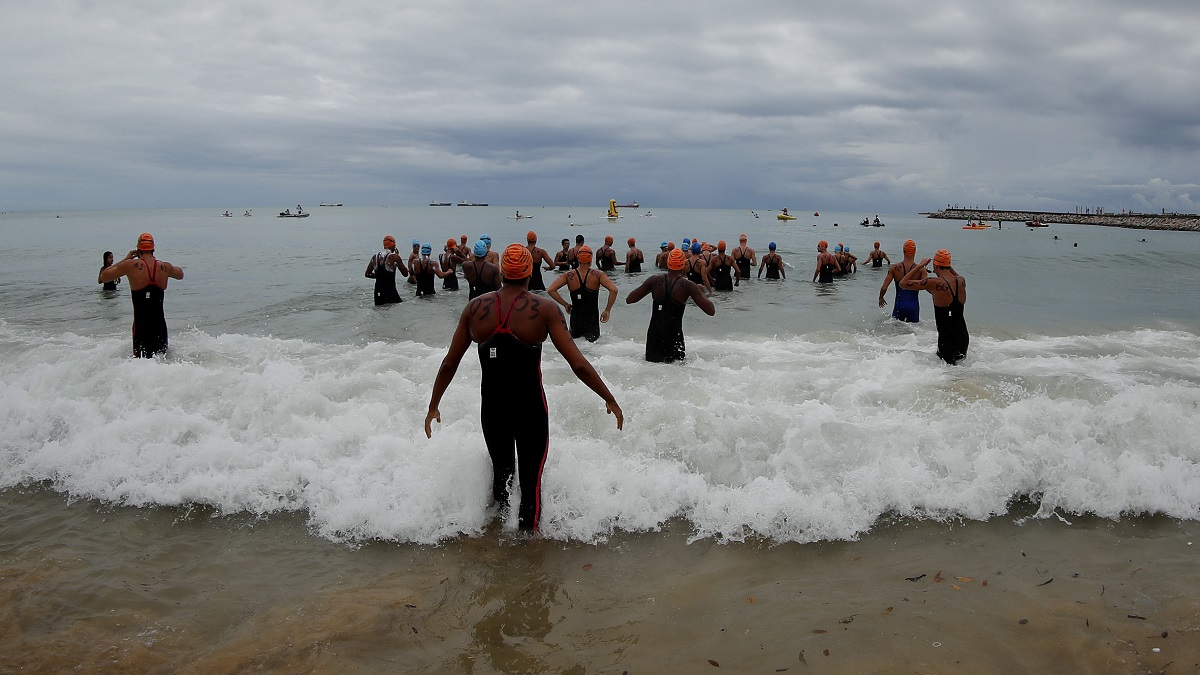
(854, 105)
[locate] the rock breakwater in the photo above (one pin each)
(1138, 221)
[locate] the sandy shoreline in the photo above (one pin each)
(126, 590)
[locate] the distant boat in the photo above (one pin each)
(325, 204)
(440, 204)
(293, 215)
(1035, 223)
(785, 215)
(630, 205)
(471, 204)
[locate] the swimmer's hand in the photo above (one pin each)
(604, 316)
(613, 409)
(882, 302)
(568, 309)
(433, 414)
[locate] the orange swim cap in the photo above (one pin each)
(531, 237)
(145, 242)
(941, 258)
(822, 244)
(584, 254)
(632, 241)
(450, 242)
(876, 244)
(743, 237)
(675, 260)
(721, 245)
(670, 246)
(705, 247)
(463, 238)
(516, 263)
(389, 241)
(608, 240)
(910, 247)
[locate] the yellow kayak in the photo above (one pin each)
(783, 216)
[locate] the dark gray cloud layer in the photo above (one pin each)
(854, 105)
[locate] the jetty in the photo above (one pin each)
(1189, 222)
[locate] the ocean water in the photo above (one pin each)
(803, 413)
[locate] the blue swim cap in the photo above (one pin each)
(416, 242)
(480, 249)
(486, 239)
(687, 242)
(426, 249)
(695, 247)
(771, 246)
(845, 249)
(664, 245)
(838, 248)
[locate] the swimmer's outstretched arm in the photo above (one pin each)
(458, 346)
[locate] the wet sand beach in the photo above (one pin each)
(102, 589)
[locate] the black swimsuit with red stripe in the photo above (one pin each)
(513, 412)
(149, 322)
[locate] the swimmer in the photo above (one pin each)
(562, 259)
(697, 268)
(949, 291)
(744, 256)
(449, 261)
(877, 256)
(720, 270)
(660, 260)
(492, 256)
(773, 262)
(606, 257)
(510, 326)
(634, 256)
(382, 268)
(539, 256)
(481, 275)
(413, 257)
(573, 254)
(425, 270)
(584, 284)
(670, 292)
(908, 304)
(112, 285)
(827, 265)
(148, 278)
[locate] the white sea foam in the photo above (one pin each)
(792, 440)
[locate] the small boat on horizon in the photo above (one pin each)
(440, 204)
(465, 203)
(1035, 223)
(324, 204)
(630, 205)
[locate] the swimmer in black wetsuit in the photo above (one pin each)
(949, 291)
(584, 284)
(697, 267)
(382, 268)
(425, 270)
(670, 291)
(744, 256)
(510, 326)
(108, 261)
(877, 256)
(720, 270)
(773, 262)
(634, 257)
(562, 259)
(606, 257)
(826, 264)
(539, 256)
(448, 261)
(481, 275)
(148, 278)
